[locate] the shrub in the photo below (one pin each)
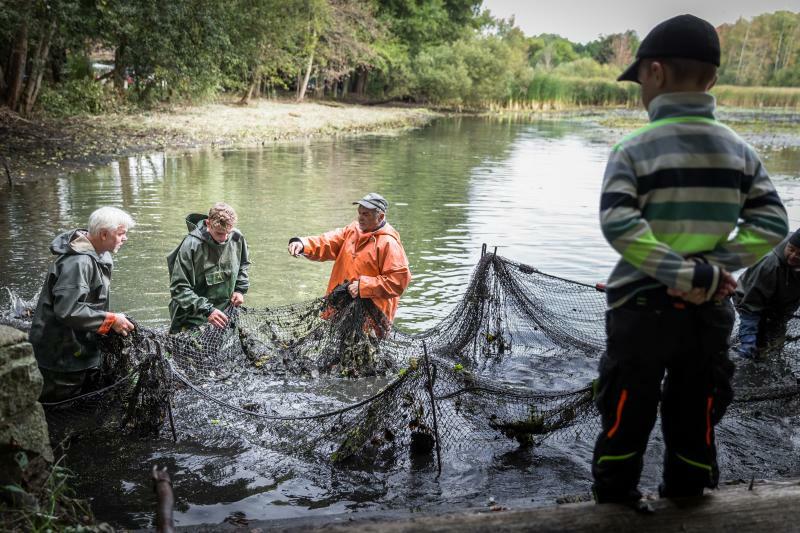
(78, 97)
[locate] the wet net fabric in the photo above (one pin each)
(329, 381)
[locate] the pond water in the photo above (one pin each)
(529, 188)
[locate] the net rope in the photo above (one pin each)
(329, 381)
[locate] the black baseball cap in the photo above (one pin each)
(684, 36)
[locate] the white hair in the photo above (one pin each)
(109, 218)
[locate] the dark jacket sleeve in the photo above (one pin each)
(183, 279)
(70, 293)
(242, 278)
(756, 288)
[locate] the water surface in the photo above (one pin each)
(529, 188)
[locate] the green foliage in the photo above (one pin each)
(79, 96)
(617, 49)
(79, 67)
(441, 75)
(554, 91)
(586, 67)
(761, 51)
(56, 507)
(445, 52)
(548, 51)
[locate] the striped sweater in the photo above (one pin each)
(673, 193)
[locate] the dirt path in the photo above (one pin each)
(41, 148)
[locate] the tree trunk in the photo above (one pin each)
(119, 66)
(58, 58)
(361, 81)
(319, 87)
(299, 84)
(741, 53)
(302, 93)
(776, 64)
(16, 66)
(253, 84)
(37, 70)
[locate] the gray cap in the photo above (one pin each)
(373, 201)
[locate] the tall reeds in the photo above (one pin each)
(547, 91)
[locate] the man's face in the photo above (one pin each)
(792, 254)
(218, 233)
(112, 240)
(369, 219)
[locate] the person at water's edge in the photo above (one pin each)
(367, 253)
(672, 194)
(208, 270)
(767, 295)
(73, 306)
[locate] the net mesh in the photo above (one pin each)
(328, 381)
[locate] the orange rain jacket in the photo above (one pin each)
(376, 259)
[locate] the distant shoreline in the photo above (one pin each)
(46, 148)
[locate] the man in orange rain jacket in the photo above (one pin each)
(367, 253)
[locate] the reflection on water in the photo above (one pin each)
(531, 189)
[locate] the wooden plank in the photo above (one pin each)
(771, 507)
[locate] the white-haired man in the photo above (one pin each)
(73, 307)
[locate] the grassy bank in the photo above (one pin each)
(563, 93)
(46, 147)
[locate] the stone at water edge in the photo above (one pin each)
(25, 452)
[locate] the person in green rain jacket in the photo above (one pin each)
(208, 270)
(73, 307)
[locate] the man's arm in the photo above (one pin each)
(763, 222)
(243, 278)
(70, 293)
(394, 274)
(325, 247)
(629, 233)
(757, 287)
(182, 283)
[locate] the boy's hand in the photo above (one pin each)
(698, 295)
(695, 296)
(726, 287)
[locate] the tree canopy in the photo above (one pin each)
(441, 51)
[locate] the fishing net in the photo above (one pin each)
(329, 381)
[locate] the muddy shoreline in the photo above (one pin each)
(44, 148)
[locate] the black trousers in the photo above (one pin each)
(61, 386)
(649, 337)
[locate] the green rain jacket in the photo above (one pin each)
(770, 286)
(204, 274)
(72, 306)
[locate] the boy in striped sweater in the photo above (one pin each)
(685, 202)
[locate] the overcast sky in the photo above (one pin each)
(584, 20)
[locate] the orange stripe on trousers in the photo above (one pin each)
(622, 397)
